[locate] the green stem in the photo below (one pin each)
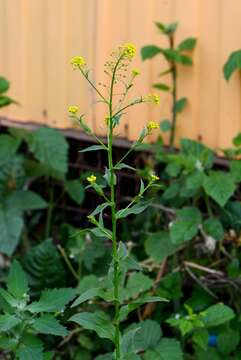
(113, 219)
(174, 97)
(68, 263)
(49, 212)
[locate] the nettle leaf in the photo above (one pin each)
(219, 186)
(148, 335)
(180, 105)
(11, 225)
(167, 29)
(161, 86)
(214, 228)
(31, 348)
(217, 315)
(149, 51)
(136, 284)
(127, 341)
(233, 63)
(98, 322)
(166, 125)
(186, 226)
(135, 209)
(168, 349)
(26, 200)
(174, 55)
(187, 44)
(87, 295)
(235, 168)
(52, 300)
(228, 341)
(8, 147)
(51, 149)
(93, 148)
(4, 84)
(17, 282)
(7, 322)
(47, 324)
(75, 190)
(44, 267)
(159, 246)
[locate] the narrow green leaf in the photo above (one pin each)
(87, 295)
(135, 209)
(161, 86)
(187, 44)
(93, 148)
(232, 64)
(180, 105)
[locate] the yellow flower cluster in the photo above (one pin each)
(135, 72)
(91, 179)
(73, 109)
(128, 51)
(152, 125)
(153, 98)
(154, 177)
(77, 62)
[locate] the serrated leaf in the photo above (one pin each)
(186, 225)
(17, 281)
(97, 321)
(180, 105)
(30, 352)
(135, 304)
(7, 322)
(51, 149)
(148, 335)
(200, 338)
(136, 284)
(219, 186)
(93, 148)
(8, 147)
(149, 51)
(217, 314)
(233, 63)
(52, 300)
(187, 44)
(228, 341)
(26, 200)
(47, 324)
(75, 190)
(235, 168)
(159, 246)
(168, 349)
(214, 228)
(11, 225)
(127, 341)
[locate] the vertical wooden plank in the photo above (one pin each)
(3, 46)
(229, 103)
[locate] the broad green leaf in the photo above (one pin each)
(186, 225)
(135, 209)
(237, 140)
(26, 200)
(167, 29)
(166, 125)
(168, 349)
(87, 295)
(7, 322)
(93, 148)
(11, 225)
(136, 284)
(200, 338)
(187, 44)
(214, 228)
(195, 180)
(8, 147)
(75, 190)
(161, 86)
(17, 281)
(228, 341)
(180, 105)
(52, 300)
(209, 354)
(98, 322)
(105, 357)
(51, 149)
(149, 51)
(233, 63)
(127, 341)
(31, 348)
(219, 186)
(235, 168)
(174, 55)
(47, 324)
(159, 246)
(4, 85)
(217, 314)
(148, 335)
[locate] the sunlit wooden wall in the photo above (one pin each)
(38, 37)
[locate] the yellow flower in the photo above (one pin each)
(135, 72)
(154, 177)
(153, 98)
(73, 109)
(77, 62)
(152, 125)
(128, 50)
(91, 179)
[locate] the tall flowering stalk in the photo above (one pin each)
(116, 69)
